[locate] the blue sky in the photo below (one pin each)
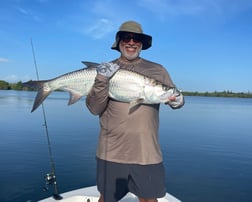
(206, 45)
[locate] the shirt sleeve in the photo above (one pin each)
(180, 101)
(97, 98)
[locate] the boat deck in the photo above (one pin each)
(90, 194)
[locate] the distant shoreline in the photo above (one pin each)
(19, 86)
(219, 94)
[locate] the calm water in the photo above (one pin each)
(206, 146)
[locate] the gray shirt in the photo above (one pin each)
(128, 137)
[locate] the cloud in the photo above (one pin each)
(4, 60)
(29, 14)
(100, 28)
(22, 11)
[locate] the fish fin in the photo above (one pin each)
(135, 103)
(89, 64)
(42, 94)
(74, 97)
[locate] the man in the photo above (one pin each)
(129, 158)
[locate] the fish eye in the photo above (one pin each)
(165, 88)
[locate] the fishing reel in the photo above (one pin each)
(50, 179)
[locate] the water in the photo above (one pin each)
(206, 147)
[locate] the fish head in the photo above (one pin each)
(156, 92)
(164, 93)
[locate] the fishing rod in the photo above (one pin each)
(50, 178)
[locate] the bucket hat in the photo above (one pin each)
(132, 27)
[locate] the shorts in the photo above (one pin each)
(115, 180)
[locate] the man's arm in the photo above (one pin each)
(97, 98)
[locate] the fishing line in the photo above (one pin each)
(50, 178)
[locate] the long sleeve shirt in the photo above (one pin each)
(129, 137)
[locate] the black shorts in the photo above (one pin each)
(115, 180)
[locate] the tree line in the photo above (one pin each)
(220, 94)
(11, 86)
(19, 86)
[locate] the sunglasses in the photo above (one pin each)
(127, 38)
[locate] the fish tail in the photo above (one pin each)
(40, 97)
(33, 84)
(43, 92)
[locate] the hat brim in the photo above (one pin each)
(146, 40)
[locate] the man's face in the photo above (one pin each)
(130, 46)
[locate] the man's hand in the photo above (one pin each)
(176, 100)
(107, 69)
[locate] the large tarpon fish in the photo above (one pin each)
(124, 86)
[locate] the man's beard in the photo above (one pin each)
(127, 56)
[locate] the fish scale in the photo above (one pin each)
(126, 85)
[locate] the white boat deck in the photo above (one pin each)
(90, 194)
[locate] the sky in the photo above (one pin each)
(205, 45)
